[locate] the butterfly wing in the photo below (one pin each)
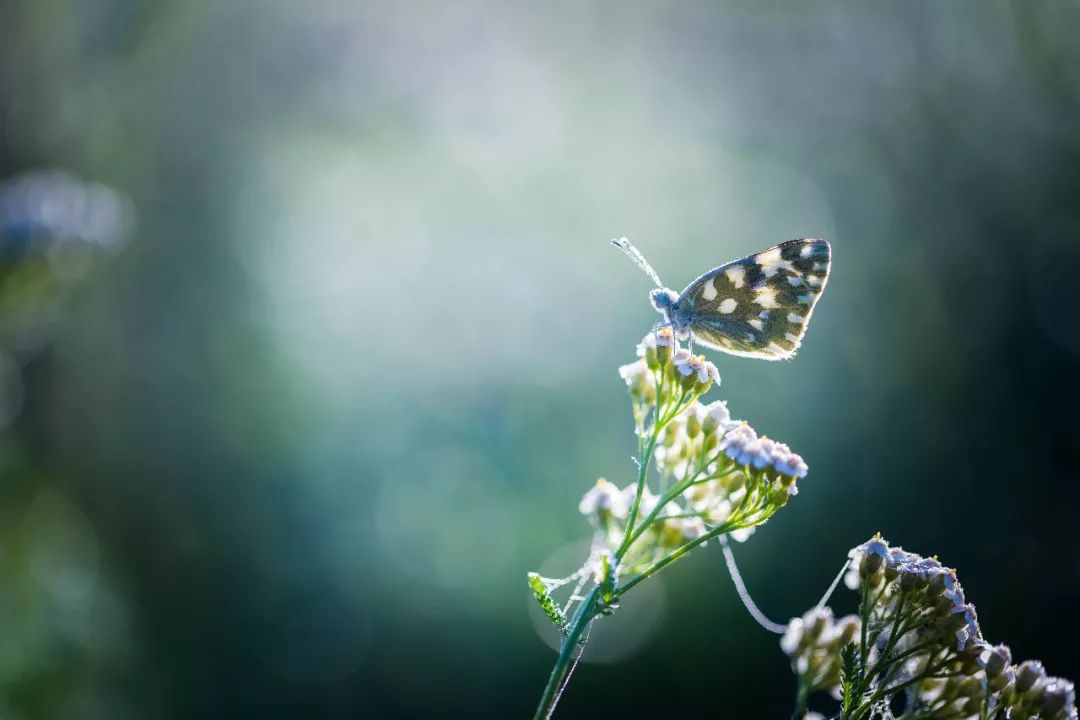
(758, 306)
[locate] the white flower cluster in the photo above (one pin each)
(744, 446)
(695, 367)
(659, 363)
(609, 509)
(923, 584)
(813, 642)
(715, 472)
(925, 633)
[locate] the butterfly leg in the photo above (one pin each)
(660, 326)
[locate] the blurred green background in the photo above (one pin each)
(290, 450)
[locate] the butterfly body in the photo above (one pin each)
(758, 306)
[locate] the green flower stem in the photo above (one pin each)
(865, 613)
(593, 605)
(672, 557)
(730, 525)
(670, 495)
(584, 615)
(643, 472)
(589, 607)
(643, 468)
(736, 517)
(869, 703)
(905, 655)
(801, 696)
(644, 460)
(885, 661)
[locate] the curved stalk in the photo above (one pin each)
(560, 674)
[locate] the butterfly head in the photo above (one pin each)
(664, 300)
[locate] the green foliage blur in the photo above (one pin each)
(291, 450)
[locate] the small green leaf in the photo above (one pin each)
(607, 579)
(546, 603)
(850, 676)
(608, 604)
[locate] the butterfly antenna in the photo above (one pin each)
(634, 254)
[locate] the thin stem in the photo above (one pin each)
(592, 605)
(893, 689)
(643, 471)
(800, 698)
(670, 495)
(559, 674)
(588, 610)
(672, 557)
(732, 523)
(884, 661)
(644, 460)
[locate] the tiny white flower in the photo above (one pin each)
(789, 643)
(791, 464)
(1028, 674)
(631, 371)
(1058, 699)
(664, 337)
(647, 343)
(603, 499)
(716, 417)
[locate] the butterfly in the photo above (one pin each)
(758, 306)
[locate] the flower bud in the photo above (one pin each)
(779, 495)
(694, 372)
(693, 421)
(603, 502)
(639, 381)
(971, 656)
(873, 558)
(671, 434)
(711, 376)
(1057, 695)
(995, 660)
(734, 482)
(1003, 684)
(1028, 675)
(716, 418)
(646, 350)
(664, 340)
(847, 630)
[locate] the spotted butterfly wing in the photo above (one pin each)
(758, 306)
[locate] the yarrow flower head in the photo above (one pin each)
(921, 635)
(744, 446)
(718, 475)
(699, 475)
(694, 372)
(813, 642)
